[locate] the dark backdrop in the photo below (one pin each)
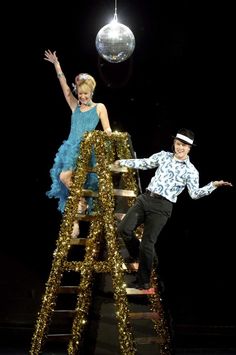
(181, 74)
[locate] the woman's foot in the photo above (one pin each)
(76, 230)
(82, 206)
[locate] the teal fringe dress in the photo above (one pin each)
(68, 153)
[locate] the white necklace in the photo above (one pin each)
(87, 103)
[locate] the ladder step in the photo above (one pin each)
(63, 336)
(118, 169)
(150, 340)
(64, 312)
(78, 241)
(69, 289)
(90, 217)
(98, 266)
(125, 193)
(87, 217)
(117, 192)
(143, 340)
(89, 193)
(112, 167)
(135, 291)
(145, 315)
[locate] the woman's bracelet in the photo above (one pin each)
(60, 75)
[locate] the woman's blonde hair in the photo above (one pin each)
(85, 82)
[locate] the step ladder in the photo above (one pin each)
(102, 230)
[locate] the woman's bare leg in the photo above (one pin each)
(66, 179)
(75, 231)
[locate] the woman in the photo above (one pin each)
(85, 117)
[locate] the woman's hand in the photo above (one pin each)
(51, 56)
(108, 131)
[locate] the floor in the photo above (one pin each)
(101, 337)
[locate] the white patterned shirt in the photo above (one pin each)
(171, 176)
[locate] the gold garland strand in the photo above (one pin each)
(100, 143)
(115, 260)
(59, 258)
(160, 325)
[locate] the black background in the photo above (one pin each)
(181, 74)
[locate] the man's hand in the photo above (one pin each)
(222, 183)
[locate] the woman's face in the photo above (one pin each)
(84, 96)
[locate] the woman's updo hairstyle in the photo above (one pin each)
(85, 82)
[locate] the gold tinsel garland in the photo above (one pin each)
(107, 150)
(160, 325)
(101, 144)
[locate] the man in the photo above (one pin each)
(153, 208)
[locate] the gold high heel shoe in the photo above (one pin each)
(82, 206)
(75, 231)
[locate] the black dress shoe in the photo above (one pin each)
(139, 285)
(144, 286)
(131, 260)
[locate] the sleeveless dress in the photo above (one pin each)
(67, 155)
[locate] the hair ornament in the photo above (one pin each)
(80, 77)
(74, 88)
(83, 76)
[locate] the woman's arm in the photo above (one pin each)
(102, 113)
(70, 98)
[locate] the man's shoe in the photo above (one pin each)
(144, 286)
(132, 264)
(131, 260)
(136, 284)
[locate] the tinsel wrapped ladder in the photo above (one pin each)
(102, 229)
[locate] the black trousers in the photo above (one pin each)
(153, 213)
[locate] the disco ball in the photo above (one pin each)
(115, 42)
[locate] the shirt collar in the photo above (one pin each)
(185, 161)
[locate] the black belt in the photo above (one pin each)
(152, 194)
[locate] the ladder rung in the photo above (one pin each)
(57, 337)
(118, 169)
(89, 193)
(112, 167)
(135, 291)
(125, 193)
(90, 217)
(91, 170)
(87, 217)
(98, 266)
(68, 289)
(64, 312)
(150, 340)
(78, 241)
(117, 192)
(145, 315)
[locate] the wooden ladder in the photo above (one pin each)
(102, 229)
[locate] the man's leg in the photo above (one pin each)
(133, 218)
(158, 212)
